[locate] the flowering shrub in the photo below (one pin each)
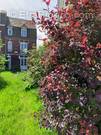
(71, 90)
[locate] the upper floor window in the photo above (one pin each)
(9, 46)
(10, 31)
(23, 46)
(23, 32)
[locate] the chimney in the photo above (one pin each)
(3, 17)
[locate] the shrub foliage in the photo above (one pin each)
(36, 70)
(71, 89)
(2, 58)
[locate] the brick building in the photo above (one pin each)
(18, 37)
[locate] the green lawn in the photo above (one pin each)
(17, 107)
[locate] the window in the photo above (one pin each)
(9, 62)
(24, 32)
(10, 31)
(0, 34)
(9, 46)
(23, 61)
(23, 46)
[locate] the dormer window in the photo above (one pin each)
(23, 32)
(10, 31)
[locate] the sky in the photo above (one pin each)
(24, 5)
(24, 9)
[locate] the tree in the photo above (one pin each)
(71, 89)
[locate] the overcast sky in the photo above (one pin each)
(16, 7)
(23, 4)
(24, 8)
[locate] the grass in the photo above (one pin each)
(17, 108)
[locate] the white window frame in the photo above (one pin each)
(9, 46)
(23, 32)
(23, 46)
(10, 31)
(23, 63)
(9, 62)
(0, 34)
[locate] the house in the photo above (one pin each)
(18, 37)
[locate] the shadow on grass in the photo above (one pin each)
(3, 83)
(30, 87)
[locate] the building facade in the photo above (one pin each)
(18, 36)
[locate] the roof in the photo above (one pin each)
(16, 22)
(3, 11)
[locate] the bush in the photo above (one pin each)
(71, 89)
(3, 83)
(36, 70)
(70, 94)
(2, 62)
(2, 58)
